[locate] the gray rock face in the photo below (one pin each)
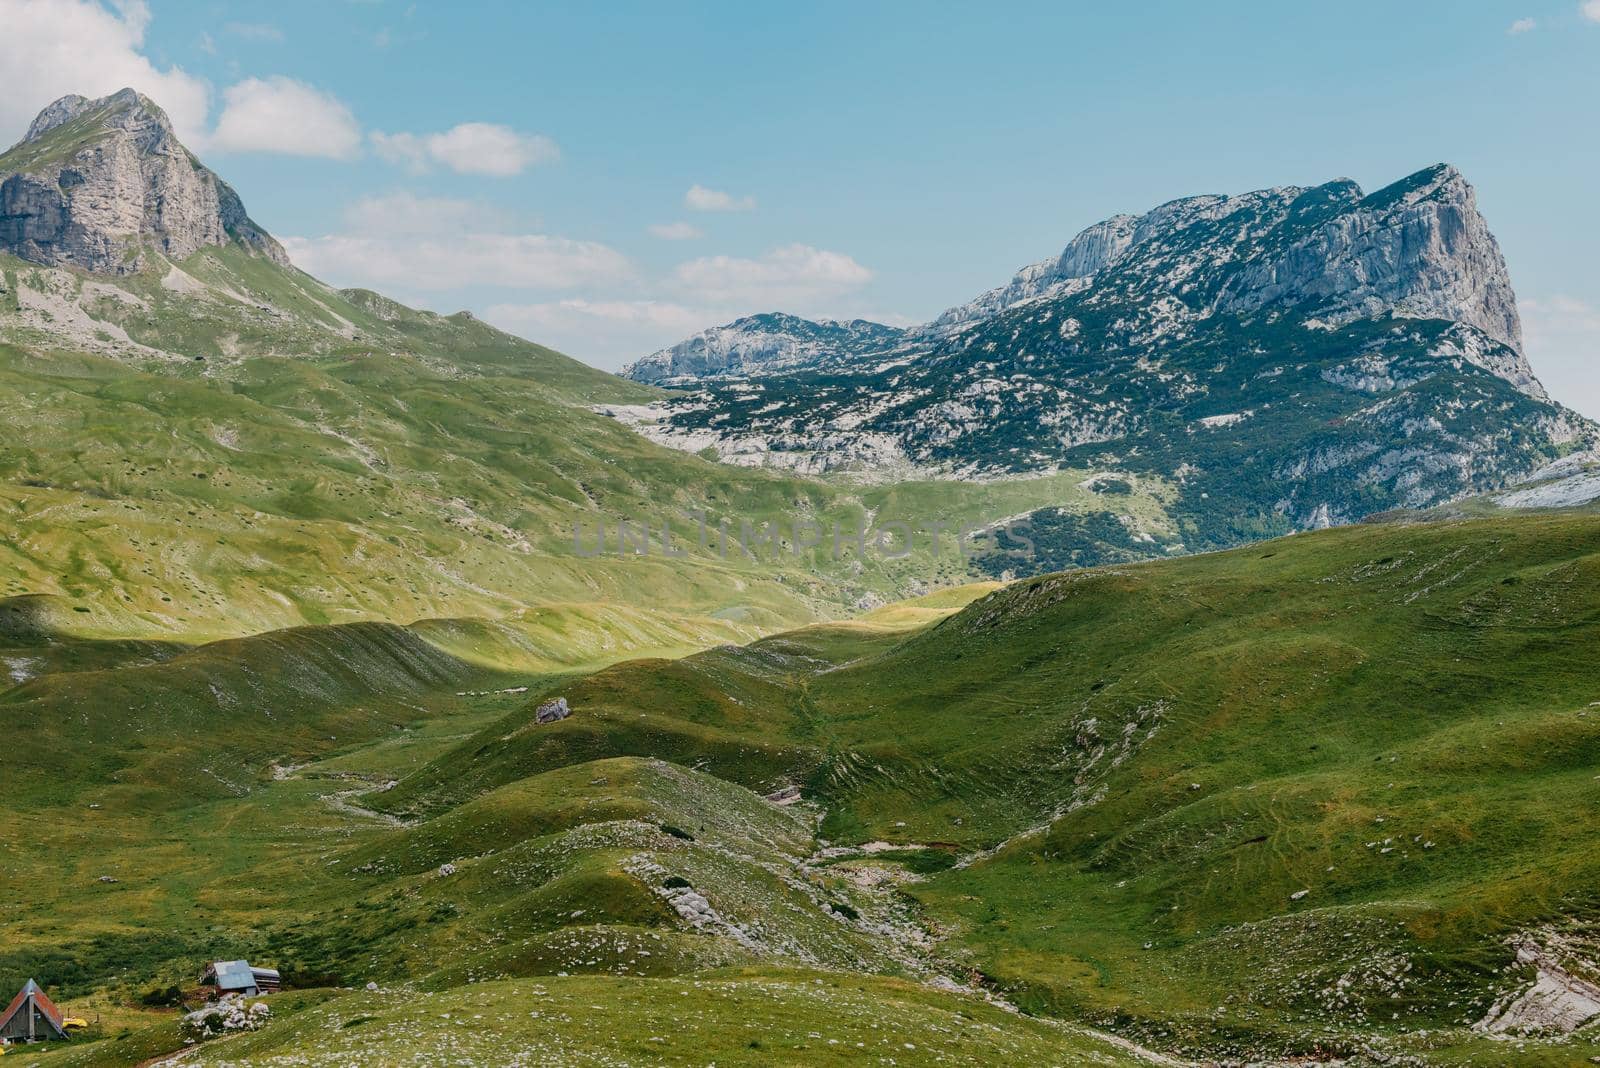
(1282, 359)
(762, 343)
(1091, 250)
(1418, 248)
(552, 711)
(99, 184)
(1328, 255)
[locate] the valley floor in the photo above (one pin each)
(1330, 798)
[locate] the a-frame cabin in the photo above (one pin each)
(31, 1017)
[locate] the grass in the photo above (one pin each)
(757, 1017)
(336, 458)
(1104, 788)
(1143, 764)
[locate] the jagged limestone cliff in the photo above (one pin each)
(101, 184)
(1290, 358)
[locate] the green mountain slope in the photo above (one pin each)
(1311, 796)
(1294, 797)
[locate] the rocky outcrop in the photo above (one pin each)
(1283, 359)
(1418, 248)
(1328, 255)
(101, 184)
(552, 711)
(763, 343)
(1084, 255)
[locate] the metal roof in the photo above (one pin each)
(31, 994)
(234, 975)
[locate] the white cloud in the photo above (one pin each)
(470, 148)
(607, 333)
(1591, 10)
(1561, 335)
(407, 213)
(415, 244)
(279, 114)
(50, 48)
(413, 262)
(254, 31)
(699, 198)
(1521, 26)
(675, 318)
(676, 231)
(789, 278)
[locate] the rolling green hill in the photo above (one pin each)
(1306, 798)
(434, 469)
(1295, 797)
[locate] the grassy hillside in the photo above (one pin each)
(1305, 798)
(734, 1018)
(1300, 796)
(223, 447)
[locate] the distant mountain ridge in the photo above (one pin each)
(758, 344)
(1417, 248)
(1286, 358)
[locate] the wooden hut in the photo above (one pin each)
(31, 1017)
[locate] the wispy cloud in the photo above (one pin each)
(699, 198)
(676, 231)
(1521, 26)
(1561, 334)
(254, 31)
(406, 213)
(419, 244)
(1591, 10)
(471, 148)
(791, 277)
(607, 333)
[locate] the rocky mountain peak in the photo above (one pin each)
(101, 184)
(763, 343)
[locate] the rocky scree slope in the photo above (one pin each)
(1291, 357)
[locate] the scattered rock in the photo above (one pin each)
(552, 710)
(787, 795)
(1558, 1002)
(225, 1016)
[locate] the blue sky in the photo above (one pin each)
(608, 180)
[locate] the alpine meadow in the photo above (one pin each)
(1181, 652)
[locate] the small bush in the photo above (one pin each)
(162, 997)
